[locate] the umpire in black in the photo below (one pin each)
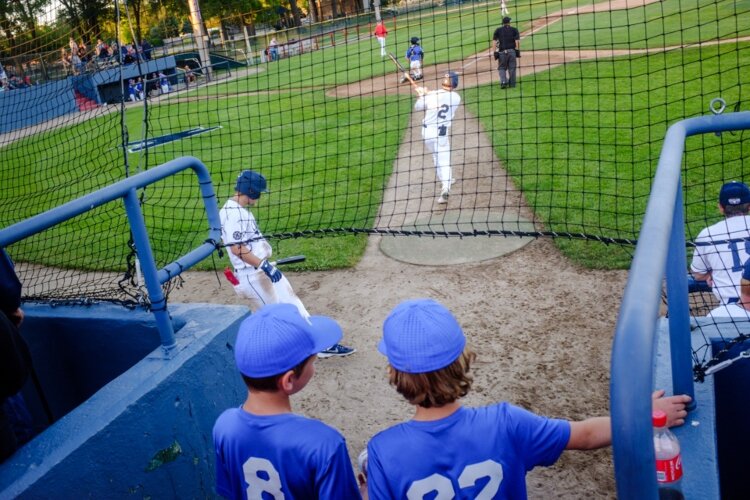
(507, 45)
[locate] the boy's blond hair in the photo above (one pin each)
(437, 388)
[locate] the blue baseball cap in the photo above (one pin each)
(251, 184)
(421, 336)
(277, 338)
(734, 193)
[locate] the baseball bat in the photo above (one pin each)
(290, 260)
(401, 68)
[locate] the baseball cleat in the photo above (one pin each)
(443, 198)
(336, 350)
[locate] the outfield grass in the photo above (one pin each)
(312, 183)
(669, 23)
(582, 144)
(584, 149)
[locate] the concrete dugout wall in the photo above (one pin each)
(144, 433)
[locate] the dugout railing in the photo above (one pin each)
(127, 189)
(661, 251)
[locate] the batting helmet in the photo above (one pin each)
(414, 40)
(251, 184)
(450, 80)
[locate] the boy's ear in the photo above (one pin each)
(286, 382)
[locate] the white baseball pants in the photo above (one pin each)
(258, 289)
(440, 147)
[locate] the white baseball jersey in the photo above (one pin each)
(730, 311)
(723, 260)
(238, 225)
(439, 106)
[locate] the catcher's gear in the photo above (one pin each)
(450, 80)
(414, 40)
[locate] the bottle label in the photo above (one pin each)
(670, 470)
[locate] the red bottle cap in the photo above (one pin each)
(659, 418)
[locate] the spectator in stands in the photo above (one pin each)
(3, 75)
(73, 46)
(102, 51)
(164, 83)
(132, 95)
(273, 49)
(124, 56)
(189, 75)
(66, 61)
(146, 50)
(139, 88)
(715, 259)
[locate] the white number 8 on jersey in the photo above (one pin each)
(256, 485)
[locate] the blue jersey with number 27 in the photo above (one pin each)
(280, 456)
(474, 453)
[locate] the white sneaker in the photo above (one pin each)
(443, 198)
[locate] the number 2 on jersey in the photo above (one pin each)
(443, 488)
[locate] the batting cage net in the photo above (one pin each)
(565, 146)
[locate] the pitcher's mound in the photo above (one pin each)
(438, 250)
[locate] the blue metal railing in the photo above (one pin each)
(127, 190)
(661, 248)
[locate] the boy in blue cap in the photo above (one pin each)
(263, 450)
(257, 279)
(451, 451)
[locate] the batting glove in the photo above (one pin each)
(271, 271)
(422, 91)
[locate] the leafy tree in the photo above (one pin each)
(86, 15)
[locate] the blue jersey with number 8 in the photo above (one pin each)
(280, 456)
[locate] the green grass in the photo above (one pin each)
(581, 141)
(660, 24)
(584, 150)
(342, 190)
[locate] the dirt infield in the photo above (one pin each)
(542, 327)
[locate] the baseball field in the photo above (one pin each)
(573, 149)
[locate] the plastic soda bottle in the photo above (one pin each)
(668, 460)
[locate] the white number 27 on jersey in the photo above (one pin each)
(469, 476)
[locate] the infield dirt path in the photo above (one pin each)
(542, 326)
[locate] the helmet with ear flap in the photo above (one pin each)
(450, 80)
